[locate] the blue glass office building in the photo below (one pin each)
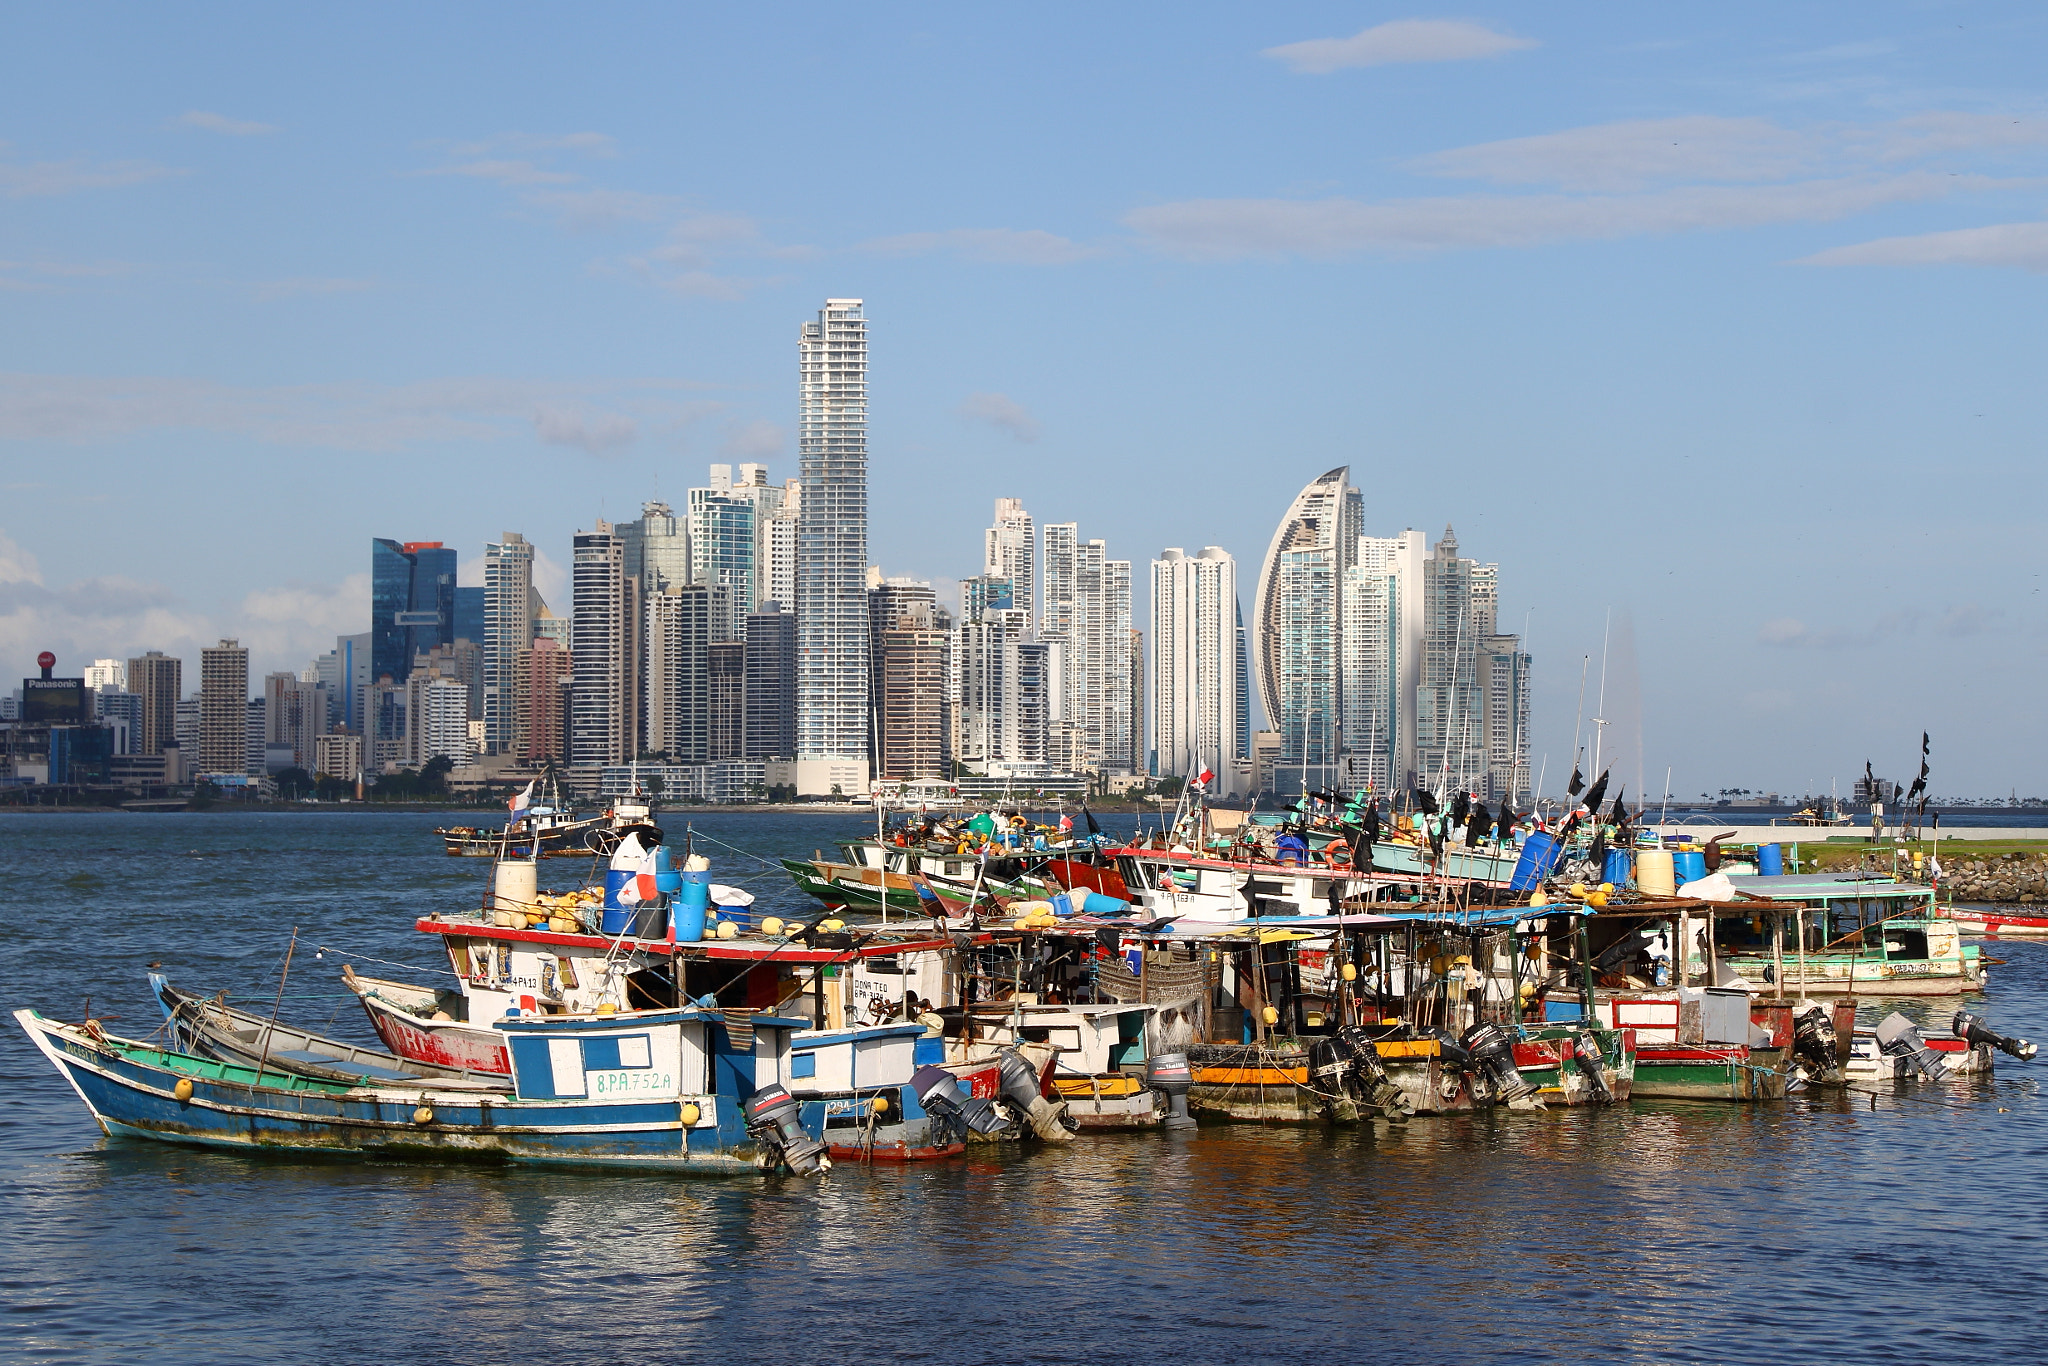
(412, 603)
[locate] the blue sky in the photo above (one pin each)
(1725, 322)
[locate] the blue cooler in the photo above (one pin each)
(1539, 856)
(692, 903)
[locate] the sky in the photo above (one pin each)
(1717, 327)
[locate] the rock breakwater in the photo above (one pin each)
(2003, 878)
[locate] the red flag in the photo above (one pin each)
(1205, 777)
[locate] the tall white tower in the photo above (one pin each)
(1009, 553)
(1195, 680)
(832, 553)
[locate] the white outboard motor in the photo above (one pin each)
(1593, 1067)
(1019, 1082)
(772, 1120)
(1897, 1038)
(1493, 1057)
(943, 1097)
(1814, 1041)
(1973, 1029)
(1170, 1075)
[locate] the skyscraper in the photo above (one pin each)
(508, 629)
(1085, 617)
(734, 528)
(1459, 599)
(1009, 551)
(832, 552)
(1297, 625)
(1195, 701)
(1382, 659)
(681, 622)
(412, 603)
(604, 708)
(910, 647)
(538, 691)
(158, 679)
(771, 683)
(657, 549)
(224, 708)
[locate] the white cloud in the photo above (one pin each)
(295, 621)
(2017, 246)
(759, 440)
(1402, 40)
(586, 209)
(1623, 156)
(44, 179)
(999, 246)
(221, 123)
(594, 433)
(1002, 412)
(16, 564)
(268, 291)
(82, 409)
(505, 172)
(1221, 229)
(589, 144)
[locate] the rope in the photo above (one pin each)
(366, 958)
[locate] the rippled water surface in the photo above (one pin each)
(1828, 1229)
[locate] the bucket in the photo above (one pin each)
(1654, 876)
(1770, 860)
(1616, 868)
(650, 921)
(1689, 865)
(690, 905)
(516, 884)
(1539, 856)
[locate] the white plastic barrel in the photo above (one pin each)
(518, 881)
(1654, 873)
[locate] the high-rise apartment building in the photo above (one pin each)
(1009, 552)
(1460, 598)
(109, 674)
(1194, 692)
(294, 717)
(254, 729)
(657, 549)
(1085, 616)
(734, 530)
(605, 701)
(158, 679)
(778, 547)
(771, 683)
(832, 553)
(680, 625)
(509, 610)
(540, 686)
(1298, 640)
(345, 672)
(121, 712)
(412, 603)
(725, 671)
(224, 708)
(910, 647)
(1382, 659)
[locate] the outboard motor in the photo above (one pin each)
(1346, 1066)
(1814, 1041)
(942, 1096)
(1897, 1038)
(1494, 1055)
(1170, 1075)
(772, 1120)
(1593, 1067)
(1973, 1029)
(1019, 1082)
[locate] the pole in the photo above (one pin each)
(276, 1006)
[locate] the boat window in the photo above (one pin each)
(1900, 943)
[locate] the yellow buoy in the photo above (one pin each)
(183, 1090)
(771, 925)
(726, 929)
(1538, 899)
(1022, 922)
(1270, 1015)
(833, 925)
(607, 1008)
(881, 1105)
(1578, 889)
(1607, 889)
(1597, 899)
(423, 1115)
(689, 1114)
(1350, 972)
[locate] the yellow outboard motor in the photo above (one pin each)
(772, 1120)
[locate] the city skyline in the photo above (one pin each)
(1712, 329)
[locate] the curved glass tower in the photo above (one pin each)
(1298, 624)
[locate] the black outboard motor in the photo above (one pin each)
(1018, 1080)
(1170, 1075)
(951, 1107)
(1346, 1066)
(1972, 1028)
(1593, 1067)
(1494, 1055)
(1814, 1041)
(772, 1120)
(1897, 1038)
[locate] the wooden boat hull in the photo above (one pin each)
(132, 1091)
(1116, 1101)
(1990, 920)
(394, 1009)
(1710, 1072)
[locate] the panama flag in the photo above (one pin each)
(1066, 823)
(1205, 777)
(642, 885)
(520, 801)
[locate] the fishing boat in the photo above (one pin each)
(2000, 922)
(554, 826)
(655, 1090)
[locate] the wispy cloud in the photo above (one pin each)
(1635, 153)
(42, 179)
(2015, 246)
(46, 275)
(588, 209)
(587, 144)
(505, 172)
(999, 246)
(594, 415)
(1402, 40)
(1956, 622)
(221, 123)
(269, 291)
(1001, 412)
(759, 440)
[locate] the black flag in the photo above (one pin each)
(1461, 807)
(1595, 793)
(1619, 815)
(1093, 828)
(1426, 799)
(1577, 784)
(1506, 826)
(1479, 827)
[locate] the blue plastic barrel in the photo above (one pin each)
(1539, 856)
(1770, 860)
(1619, 868)
(1063, 905)
(1688, 865)
(616, 919)
(1095, 903)
(686, 925)
(614, 878)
